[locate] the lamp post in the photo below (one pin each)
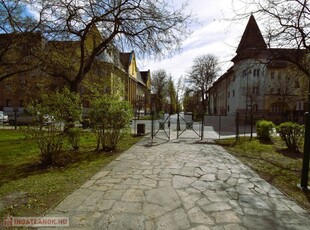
(305, 161)
(153, 107)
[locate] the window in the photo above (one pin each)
(233, 93)
(255, 90)
(244, 73)
(272, 75)
(227, 108)
(256, 73)
(271, 91)
(234, 77)
(9, 103)
(228, 94)
(279, 91)
(276, 108)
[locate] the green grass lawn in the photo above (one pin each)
(28, 189)
(273, 162)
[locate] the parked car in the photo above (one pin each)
(26, 119)
(4, 118)
(48, 119)
(21, 119)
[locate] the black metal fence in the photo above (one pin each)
(214, 127)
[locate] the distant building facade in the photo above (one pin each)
(113, 72)
(259, 82)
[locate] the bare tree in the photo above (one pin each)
(20, 46)
(201, 77)
(151, 27)
(159, 88)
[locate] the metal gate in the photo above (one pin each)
(186, 122)
(177, 125)
(161, 126)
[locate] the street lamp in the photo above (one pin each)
(153, 107)
(305, 161)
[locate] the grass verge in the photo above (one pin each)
(273, 162)
(27, 189)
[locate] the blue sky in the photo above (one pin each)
(213, 35)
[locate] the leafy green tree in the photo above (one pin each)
(55, 114)
(160, 83)
(110, 117)
(172, 96)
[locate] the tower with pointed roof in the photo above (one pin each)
(251, 43)
(259, 82)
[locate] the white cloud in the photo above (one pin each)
(213, 35)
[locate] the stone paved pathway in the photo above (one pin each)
(179, 185)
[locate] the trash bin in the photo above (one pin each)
(140, 129)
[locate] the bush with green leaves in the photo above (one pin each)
(110, 118)
(264, 129)
(63, 108)
(292, 134)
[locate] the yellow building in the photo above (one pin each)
(112, 71)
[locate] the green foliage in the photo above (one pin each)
(109, 117)
(173, 96)
(49, 140)
(57, 113)
(292, 134)
(264, 129)
(74, 138)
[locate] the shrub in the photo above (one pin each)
(64, 109)
(74, 137)
(110, 118)
(292, 134)
(264, 129)
(49, 140)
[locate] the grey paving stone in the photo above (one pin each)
(134, 208)
(104, 205)
(120, 221)
(200, 227)
(197, 216)
(182, 181)
(165, 197)
(216, 207)
(114, 194)
(179, 185)
(152, 211)
(217, 196)
(176, 219)
(133, 195)
(226, 217)
(200, 185)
